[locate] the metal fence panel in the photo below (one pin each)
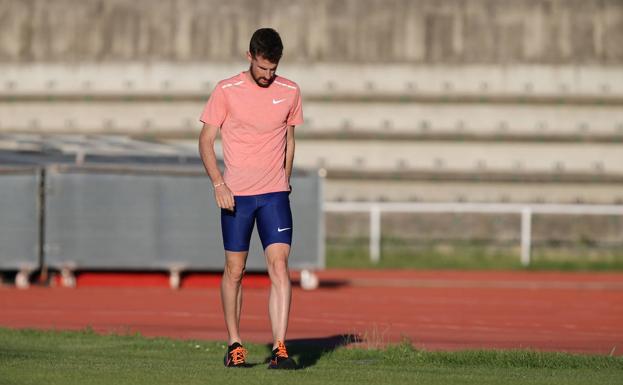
(19, 219)
(306, 200)
(126, 220)
(526, 210)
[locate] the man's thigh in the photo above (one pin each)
(237, 225)
(274, 219)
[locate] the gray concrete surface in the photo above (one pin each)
(414, 31)
(318, 79)
(326, 118)
(469, 156)
(434, 191)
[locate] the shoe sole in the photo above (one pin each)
(287, 366)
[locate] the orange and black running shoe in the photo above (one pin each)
(279, 358)
(236, 356)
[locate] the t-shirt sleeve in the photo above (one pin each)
(215, 110)
(295, 117)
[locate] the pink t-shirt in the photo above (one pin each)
(253, 122)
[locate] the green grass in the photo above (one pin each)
(37, 357)
(397, 257)
(398, 254)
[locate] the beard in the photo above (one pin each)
(261, 81)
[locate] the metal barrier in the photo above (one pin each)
(20, 220)
(115, 203)
(526, 211)
(130, 217)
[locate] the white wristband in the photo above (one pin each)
(219, 184)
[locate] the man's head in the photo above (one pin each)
(265, 50)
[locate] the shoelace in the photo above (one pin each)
(238, 355)
(281, 350)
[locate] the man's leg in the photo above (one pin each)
(274, 225)
(237, 226)
(231, 292)
(280, 289)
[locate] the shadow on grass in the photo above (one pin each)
(307, 351)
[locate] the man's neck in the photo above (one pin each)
(247, 73)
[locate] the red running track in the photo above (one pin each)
(573, 312)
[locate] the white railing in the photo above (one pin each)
(375, 209)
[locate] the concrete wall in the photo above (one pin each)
(356, 31)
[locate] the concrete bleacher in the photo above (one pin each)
(500, 120)
(319, 81)
(333, 119)
(466, 156)
(453, 190)
(456, 101)
(391, 140)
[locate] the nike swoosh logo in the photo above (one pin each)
(275, 101)
(281, 230)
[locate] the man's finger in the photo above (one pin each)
(230, 204)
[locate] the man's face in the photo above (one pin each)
(262, 70)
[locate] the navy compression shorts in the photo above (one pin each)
(272, 213)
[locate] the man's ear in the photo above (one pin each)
(249, 57)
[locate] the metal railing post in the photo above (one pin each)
(525, 210)
(375, 233)
(526, 235)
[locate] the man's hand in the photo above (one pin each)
(224, 197)
(222, 194)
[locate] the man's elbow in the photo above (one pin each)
(206, 137)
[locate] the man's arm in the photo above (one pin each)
(222, 194)
(289, 151)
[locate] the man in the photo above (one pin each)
(256, 112)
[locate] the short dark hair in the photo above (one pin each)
(266, 42)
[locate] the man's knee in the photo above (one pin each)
(278, 269)
(234, 272)
(278, 265)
